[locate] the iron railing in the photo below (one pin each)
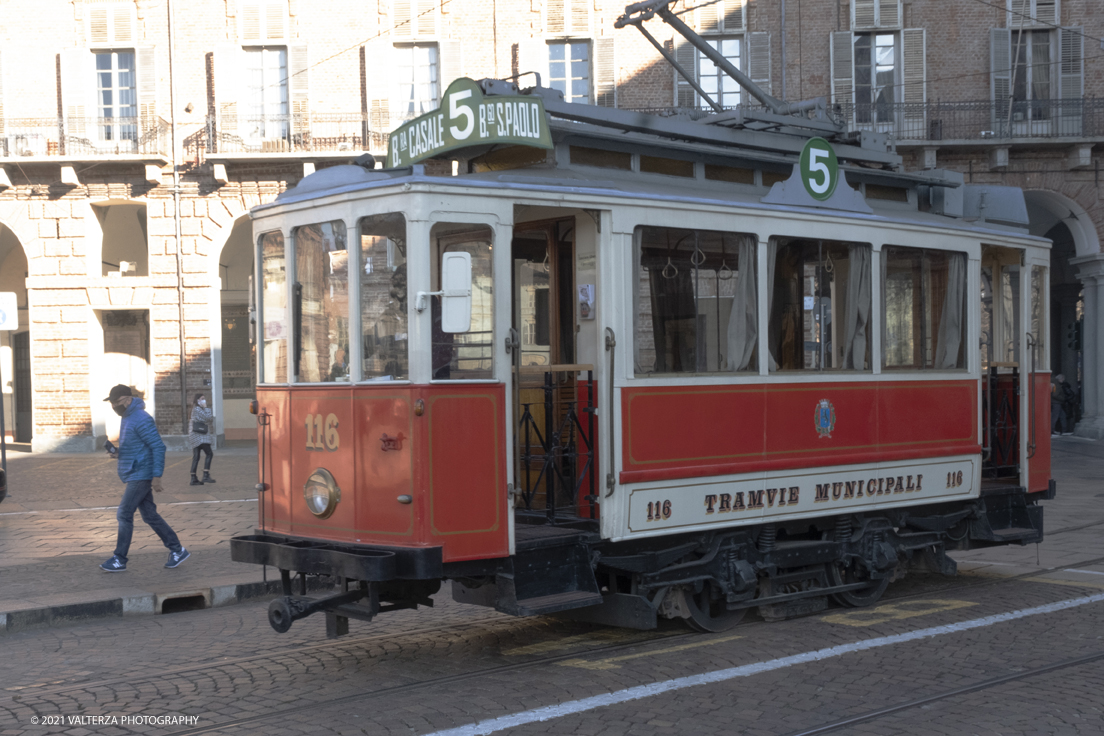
(311, 133)
(72, 136)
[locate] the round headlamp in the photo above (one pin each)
(321, 493)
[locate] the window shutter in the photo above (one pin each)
(1033, 13)
(914, 77)
(250, 28)
(299, 87)
(122, 23)
(687, 57)
(889, 13)
(1, 98)
(111, 24)
(276, 20)
(146, 62)
(377, 60)
(863, 14)
(735, 15)
(759, 63)
(1045, 12)
(842, 71)
(449, 64)
(426, 21)
(228, 71)
(554, 17)
(78, 92)
(1071, 79)
(1000, 73)
(402, 19)
(580, 17)
(605, 72)
(711, 16)
(262, 21)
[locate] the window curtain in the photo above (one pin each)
(743, 322)
(857, 314)
(950, 325)
(772, 258)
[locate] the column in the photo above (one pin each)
(1090, 269)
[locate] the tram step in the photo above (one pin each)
(1016, 532)
(557, 602)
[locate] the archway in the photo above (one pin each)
(236, 363)
(15, 346)
(1075, 313)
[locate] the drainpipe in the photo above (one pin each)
(176, 227)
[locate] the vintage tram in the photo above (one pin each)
(618, 367)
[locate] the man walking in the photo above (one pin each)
(141, 459)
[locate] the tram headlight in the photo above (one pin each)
(321, 493)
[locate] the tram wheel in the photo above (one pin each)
(840, 574)
(709, 614)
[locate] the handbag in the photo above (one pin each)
(199, 427)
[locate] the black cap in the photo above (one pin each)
(118, 391)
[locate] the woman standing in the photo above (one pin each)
(199, 438)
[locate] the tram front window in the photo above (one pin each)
(274, 362)
(819, 300)
(383, 298)
(464, 355)
(695, 302)
(322, 296)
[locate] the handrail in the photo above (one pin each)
(1031, 344)
(611, 343)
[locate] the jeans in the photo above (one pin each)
(206, 462)
(139, 495)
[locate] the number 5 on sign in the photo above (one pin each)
(819, 169)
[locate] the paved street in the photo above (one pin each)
(1012, 646)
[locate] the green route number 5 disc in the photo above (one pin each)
(819, 169)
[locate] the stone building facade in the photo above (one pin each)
(135, 135)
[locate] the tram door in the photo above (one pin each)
(1004, 372)
(547, 410)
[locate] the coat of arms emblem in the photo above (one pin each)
(824, 418)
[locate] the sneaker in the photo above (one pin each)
(175, 558)
(113, 564)
(208, 479)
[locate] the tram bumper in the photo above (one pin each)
(371, 563)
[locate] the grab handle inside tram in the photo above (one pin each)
(1031, 344)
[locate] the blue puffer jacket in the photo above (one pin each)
(141, 451)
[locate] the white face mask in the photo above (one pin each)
(203, 403)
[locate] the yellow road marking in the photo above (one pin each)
(579, 640)
(894, 612)
(607, 664)
(1074, 583)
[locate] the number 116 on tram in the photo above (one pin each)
(579, 361)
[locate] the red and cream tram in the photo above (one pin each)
(621, 367)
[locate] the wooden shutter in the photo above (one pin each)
(1000, 73)
(1071, 79)
(711, 16)
(759, 63)
(228, 92)
(425, 21)
(402, 18)
(605, 72)
(1033, 13)
(735, 15)
(250, 23)
(262, 21)
(863, 14)
(889, 13)
(111, 24)
(580, 17)
(146, 63)
(78, 92)
(276, 20)
(299, 88)
(554, 20)
(377, 60)
(1045, 12)
(449, 64)
(687, 57)
(914, 77)
(843, 73)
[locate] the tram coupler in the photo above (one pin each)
(286, 609)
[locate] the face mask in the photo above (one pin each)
(203, 403)
(120, 410)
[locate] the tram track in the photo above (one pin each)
(199, 671)
(946, 694)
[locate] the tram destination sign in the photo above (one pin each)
(467, 118)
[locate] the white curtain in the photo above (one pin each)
(857, 317)
(743, 322)
(950, 326)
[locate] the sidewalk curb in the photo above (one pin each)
(216, 596)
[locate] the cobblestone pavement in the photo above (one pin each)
(447, 668)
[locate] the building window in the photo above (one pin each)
(117, 96)
(875, 77)
(569, 69)
(1031, 76)
(713, 80)
(417, 79)
(266, 107)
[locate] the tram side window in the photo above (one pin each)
(924, 293)
(1038, 319)
(695, 304)
(322, 302)
(464, 355)
(274, 308)
(819, 300)
(383, 298)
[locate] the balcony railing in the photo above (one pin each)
(304, 134)
(83, 137)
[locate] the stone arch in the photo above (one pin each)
(15, 382)
(1047, 208)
